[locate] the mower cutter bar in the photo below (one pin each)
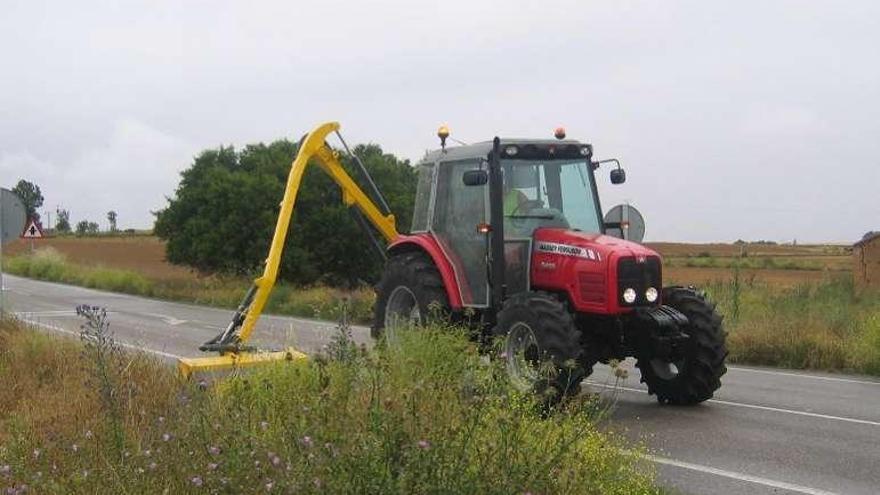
(188, 366)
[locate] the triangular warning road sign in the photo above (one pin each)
(32, 231)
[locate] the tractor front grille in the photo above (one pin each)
(638, 274)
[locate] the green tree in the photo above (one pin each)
(31, 197)
(85, 227)
(111, 218)
(224, 211)
(62, 225)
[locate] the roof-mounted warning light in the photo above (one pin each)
(443, 133)
(559, 133)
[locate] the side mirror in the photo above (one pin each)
(475, 178)
(618, 176)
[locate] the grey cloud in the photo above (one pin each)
(744, 120)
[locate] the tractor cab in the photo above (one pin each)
(546, 185)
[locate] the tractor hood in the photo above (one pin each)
(560, 241)
(592, 269)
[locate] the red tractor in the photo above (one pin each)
(511, 232)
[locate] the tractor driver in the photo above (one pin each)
(513, 197)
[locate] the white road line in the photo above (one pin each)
(285, 319)
(799, 413)
(32, 314)
(804, 375)
(56, 328)
(762, 408)
(782, 485)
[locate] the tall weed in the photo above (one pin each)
(426, 415)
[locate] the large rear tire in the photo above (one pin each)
(411, 292)
(541, 346)
(695, 377)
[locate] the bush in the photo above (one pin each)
(224, 212)
(422, 416)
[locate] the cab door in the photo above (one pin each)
(457, 212)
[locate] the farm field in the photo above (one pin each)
(143, 254)
(775, 265)
(698, 264)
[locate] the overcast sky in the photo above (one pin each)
(753, 120)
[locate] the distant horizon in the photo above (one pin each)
(149, 231)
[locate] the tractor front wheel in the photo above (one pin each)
(411, 292)
(696, 374)
(540, 346)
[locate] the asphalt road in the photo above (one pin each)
(767, 431)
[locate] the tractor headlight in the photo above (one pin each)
(651, 294)
(511, 150)
(629, 295)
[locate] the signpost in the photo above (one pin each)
(12, 223)
(32, 231)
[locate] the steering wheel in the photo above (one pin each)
(529, 204)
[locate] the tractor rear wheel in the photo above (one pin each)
(697, 374)
(541, 346)
(411, 292)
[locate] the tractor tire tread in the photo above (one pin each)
(702, 374)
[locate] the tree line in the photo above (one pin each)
(223, 214)
(32, 198)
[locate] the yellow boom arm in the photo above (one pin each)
(229, 343)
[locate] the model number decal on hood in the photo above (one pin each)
(567, 250)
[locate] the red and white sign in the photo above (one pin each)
(32, 231)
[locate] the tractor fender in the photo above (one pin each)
(427, 244)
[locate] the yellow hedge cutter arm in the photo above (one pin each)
(231, 343)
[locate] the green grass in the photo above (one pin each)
(423, 416)
(825, 326)
(312, 302)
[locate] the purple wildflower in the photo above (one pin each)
(166, 437)
(424, 444)
(306, 441)
(214, 450)
(197, 481)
